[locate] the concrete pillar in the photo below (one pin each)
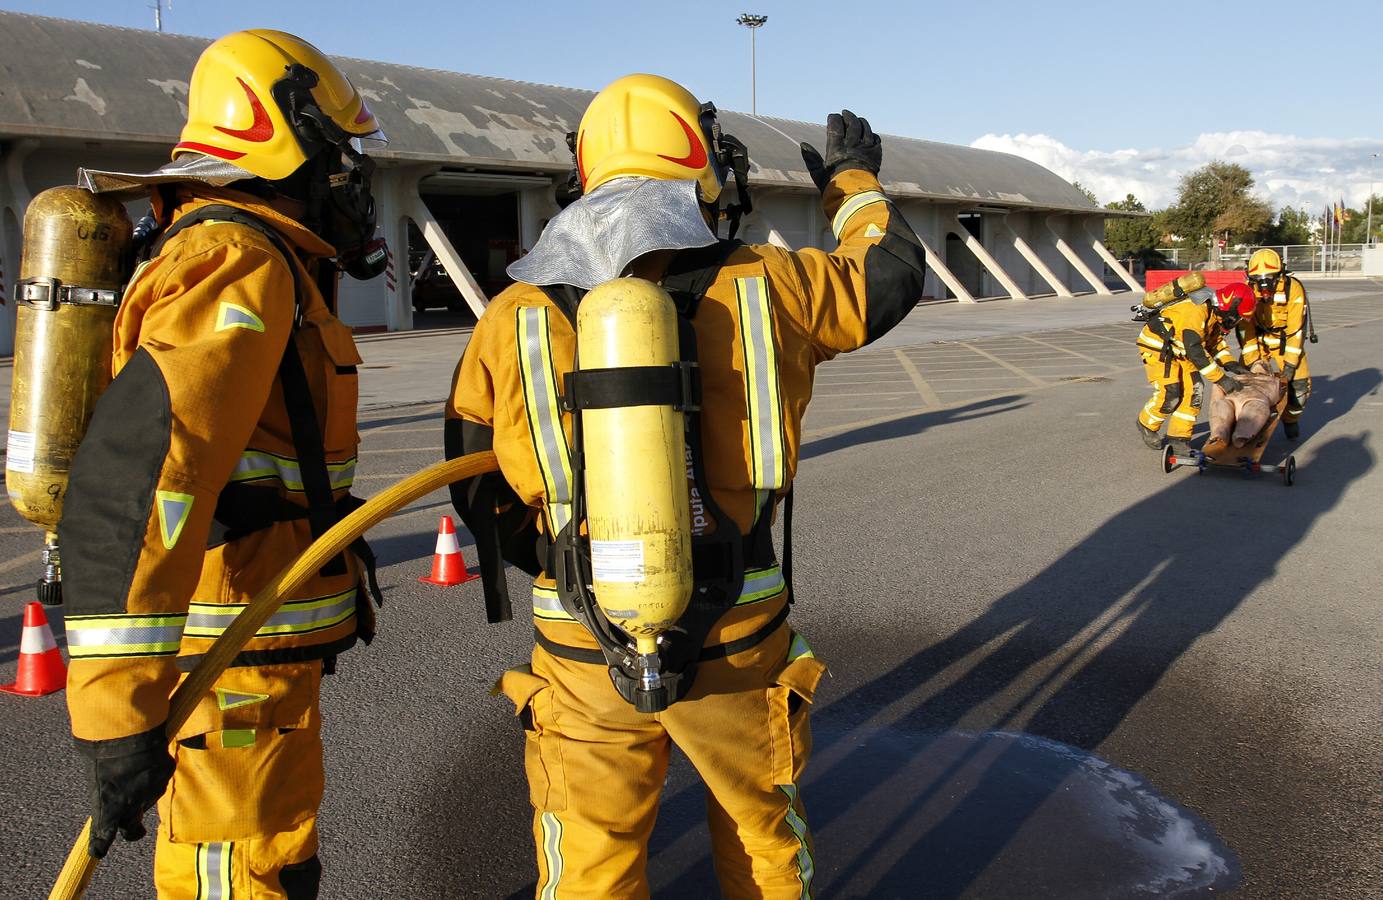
(1041, 268)
(951, 223)
(1108, 257)
(14, 199)
(536, 206)
(947, 277)
(394, 186)
(1073, 257)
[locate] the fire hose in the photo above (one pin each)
(80, 865)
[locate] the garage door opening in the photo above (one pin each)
(962, 263)
(482, 224)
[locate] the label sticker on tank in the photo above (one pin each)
(617, 560)
(19, 452)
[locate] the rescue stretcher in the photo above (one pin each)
(1218, 453)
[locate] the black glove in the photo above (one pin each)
(128, 775)
(1236, 368)
(850, 144)
(1229, 384)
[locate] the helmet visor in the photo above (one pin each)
(365, 143)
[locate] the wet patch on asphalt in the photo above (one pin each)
(903, 814)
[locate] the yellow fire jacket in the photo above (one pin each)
(764, 324)
(1277, 327)
(1188, 330)
(183, 494)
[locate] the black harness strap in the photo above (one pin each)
(715, 651)
(673, 386)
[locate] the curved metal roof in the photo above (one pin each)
(66, 79)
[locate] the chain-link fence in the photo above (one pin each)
(1296, 257)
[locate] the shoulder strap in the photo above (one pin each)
(692, 272)
(219, 212)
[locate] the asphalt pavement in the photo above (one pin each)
(1056, 670)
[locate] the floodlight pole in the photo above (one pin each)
(1368, 220)
(753, 23)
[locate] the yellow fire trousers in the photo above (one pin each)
(596, 768)
(1175, 399)
(239, 818)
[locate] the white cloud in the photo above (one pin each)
(1287, 170)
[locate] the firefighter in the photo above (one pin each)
(1277, 331)
(653, 164)
(1182, 346)
(226, 442)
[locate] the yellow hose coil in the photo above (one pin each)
(80, 865)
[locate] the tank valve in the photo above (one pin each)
(50, 585)
(651, 696)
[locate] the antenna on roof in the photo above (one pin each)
(157, 7)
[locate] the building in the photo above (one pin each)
(472, 163)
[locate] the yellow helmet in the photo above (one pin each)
(650, 126)
(268, 101)
(1263, 270)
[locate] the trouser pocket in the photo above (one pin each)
(532, 696)
(789, 698)
(237, 784)
(249, 761)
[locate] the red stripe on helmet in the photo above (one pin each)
(218, 152)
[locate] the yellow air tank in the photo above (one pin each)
(1191, 281)
(73, 269)
(637, 502)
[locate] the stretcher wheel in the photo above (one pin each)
(1289, 471)
(1167, 465)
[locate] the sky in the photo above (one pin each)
(1123, 97)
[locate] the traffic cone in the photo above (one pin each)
(448, 567)
(41, 669)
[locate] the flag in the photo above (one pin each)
(1339, 215)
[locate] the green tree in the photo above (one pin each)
(1352, 230)
(1130, 236)
(1293, 226)
(1215, 199)
(1086, 191)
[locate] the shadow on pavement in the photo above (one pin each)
(1064, 657)
(1333, 397)
(908, 425)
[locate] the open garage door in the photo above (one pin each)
(480, 216)
(961, 261)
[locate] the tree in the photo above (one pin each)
(1215, 199)
(1293, 226)
(1352, 230)
(1086, 191)
(1130, 236)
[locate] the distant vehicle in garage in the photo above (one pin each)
(432, 286)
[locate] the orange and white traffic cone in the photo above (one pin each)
(448, 567)
(41, 669)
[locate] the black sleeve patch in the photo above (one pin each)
(895, 271)
(1195, 350)
(110, 494)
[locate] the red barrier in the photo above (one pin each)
(1214, 278)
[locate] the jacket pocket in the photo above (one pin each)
(249, 762)
(542, 753)
(343, 384)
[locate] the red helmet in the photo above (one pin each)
(1234, 301)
